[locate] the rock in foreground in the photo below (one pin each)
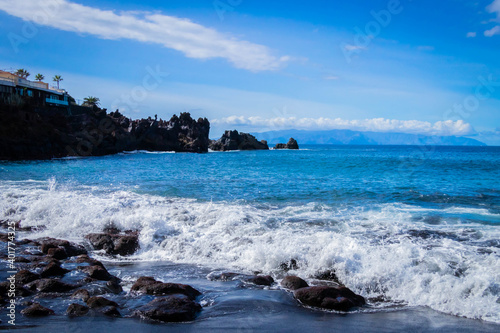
(331, 298)
(174, 308)
(148, 285)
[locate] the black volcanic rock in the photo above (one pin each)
(331, 298)
(292, 144)
(150, 286)
(174, 308)
(115, 244)
(232, 140)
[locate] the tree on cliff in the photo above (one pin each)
(57, 79)
(39, 77)
(91, 101)
(22, 73)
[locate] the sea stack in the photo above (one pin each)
(292, 144)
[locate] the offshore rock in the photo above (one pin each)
(292, 144)
(232, 140)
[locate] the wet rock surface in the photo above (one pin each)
(330, 298)
(115, 243)
(293, 283)
(150, 286)
(174, 308)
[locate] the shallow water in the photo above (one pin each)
(416, 226)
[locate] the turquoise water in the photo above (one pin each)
(417, 226)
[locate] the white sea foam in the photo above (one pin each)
(375, 251)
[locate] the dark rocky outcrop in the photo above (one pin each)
(77, 310)
(81, 294)
(331, 298)
(232, 140)
(50, 285)
(115, 243)
(292, 144)
(293, 283)
(174, 308)
(36, 310)
(29, 132)
(261, 280)
(23, 277)
(148, 285)
(99, 302)
(53, 269)
(97, 272)
(70, 249)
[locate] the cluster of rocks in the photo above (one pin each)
(234, 140)
(43, 273)
(42, 276)
(292, 144)
(29, 133)
(329, 297)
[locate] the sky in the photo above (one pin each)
(406, 66)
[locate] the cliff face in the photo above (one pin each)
(29, 133)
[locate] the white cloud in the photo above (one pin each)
(471, 34)
(444, 128)
(492, 32)
(494, 7)
(192, 39)
(349, 47)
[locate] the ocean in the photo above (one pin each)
(415, 230)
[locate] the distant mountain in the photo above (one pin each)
(348, 137)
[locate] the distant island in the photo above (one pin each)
(348, 137)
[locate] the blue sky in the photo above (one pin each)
(393, 66)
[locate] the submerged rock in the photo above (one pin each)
(293, 283)
(36, 310)
(148, 285)
(174, 308)
(232, 140)
(331, 298)
(292, 144)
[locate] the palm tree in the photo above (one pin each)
(57, 79)
(91, 101)
(39, 77)
(22, 73)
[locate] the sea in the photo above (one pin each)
(413, 229)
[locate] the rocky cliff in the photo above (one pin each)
(32, 133)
